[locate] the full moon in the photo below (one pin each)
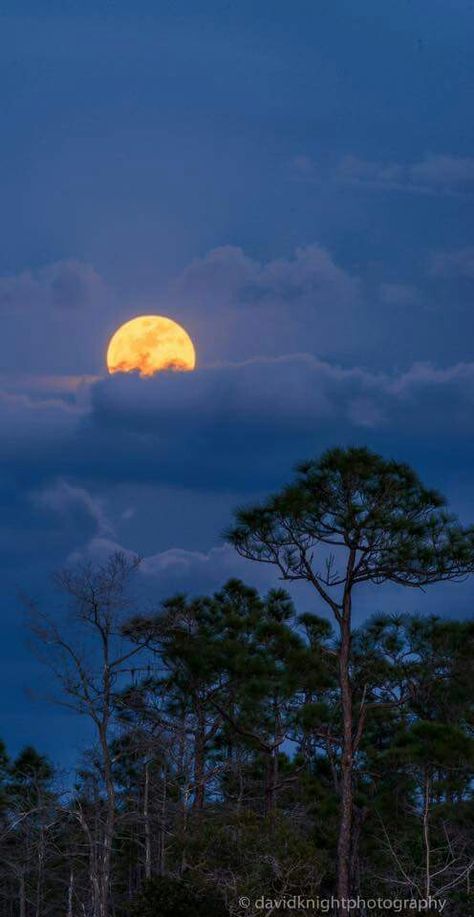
(150, 344)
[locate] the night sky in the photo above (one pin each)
(293, 183)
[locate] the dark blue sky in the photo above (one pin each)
(294, 183)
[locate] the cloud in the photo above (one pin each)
(219, 277)
(238, 426)
(271, 393)
(44, 388)
(39, 415)
(312, 272)
(181, 570)
(457, 263)
(244, 424)
(56, 319)
(424, 377)
(443, 172)
(304, 166)
(237, 306)
(364, 412)
(398, 294)
(231, 430)
(434, 174)
(264, 393)
(34, 423)
(178, 570)
(354, 169)
(74, 504)
(228, 275)
(66, 284)
(233, 305)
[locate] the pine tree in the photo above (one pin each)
(352, 517)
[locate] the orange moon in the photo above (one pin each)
(150, 344)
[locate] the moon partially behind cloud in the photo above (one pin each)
(150, 344)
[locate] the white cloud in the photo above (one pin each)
(68, 500)
(179, 560)
(181, 570)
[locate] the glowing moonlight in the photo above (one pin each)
(150, 344)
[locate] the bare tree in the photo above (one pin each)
(89, 658)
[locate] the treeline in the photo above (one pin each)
(244, 748)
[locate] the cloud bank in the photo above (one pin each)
(234, 425)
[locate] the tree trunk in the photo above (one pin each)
(184, 791)
(358, 819)
(162, 862)
(346, 816)
(271, 782)
(268, 800)
(107, 832)
(146, 819)
(426, 833)
(70, 895)
(109, 823)
(39, 883)
(106, 858)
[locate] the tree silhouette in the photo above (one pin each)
(353, 517)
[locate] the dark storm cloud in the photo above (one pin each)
(244, 426)
(233, 425)
(283, 395)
